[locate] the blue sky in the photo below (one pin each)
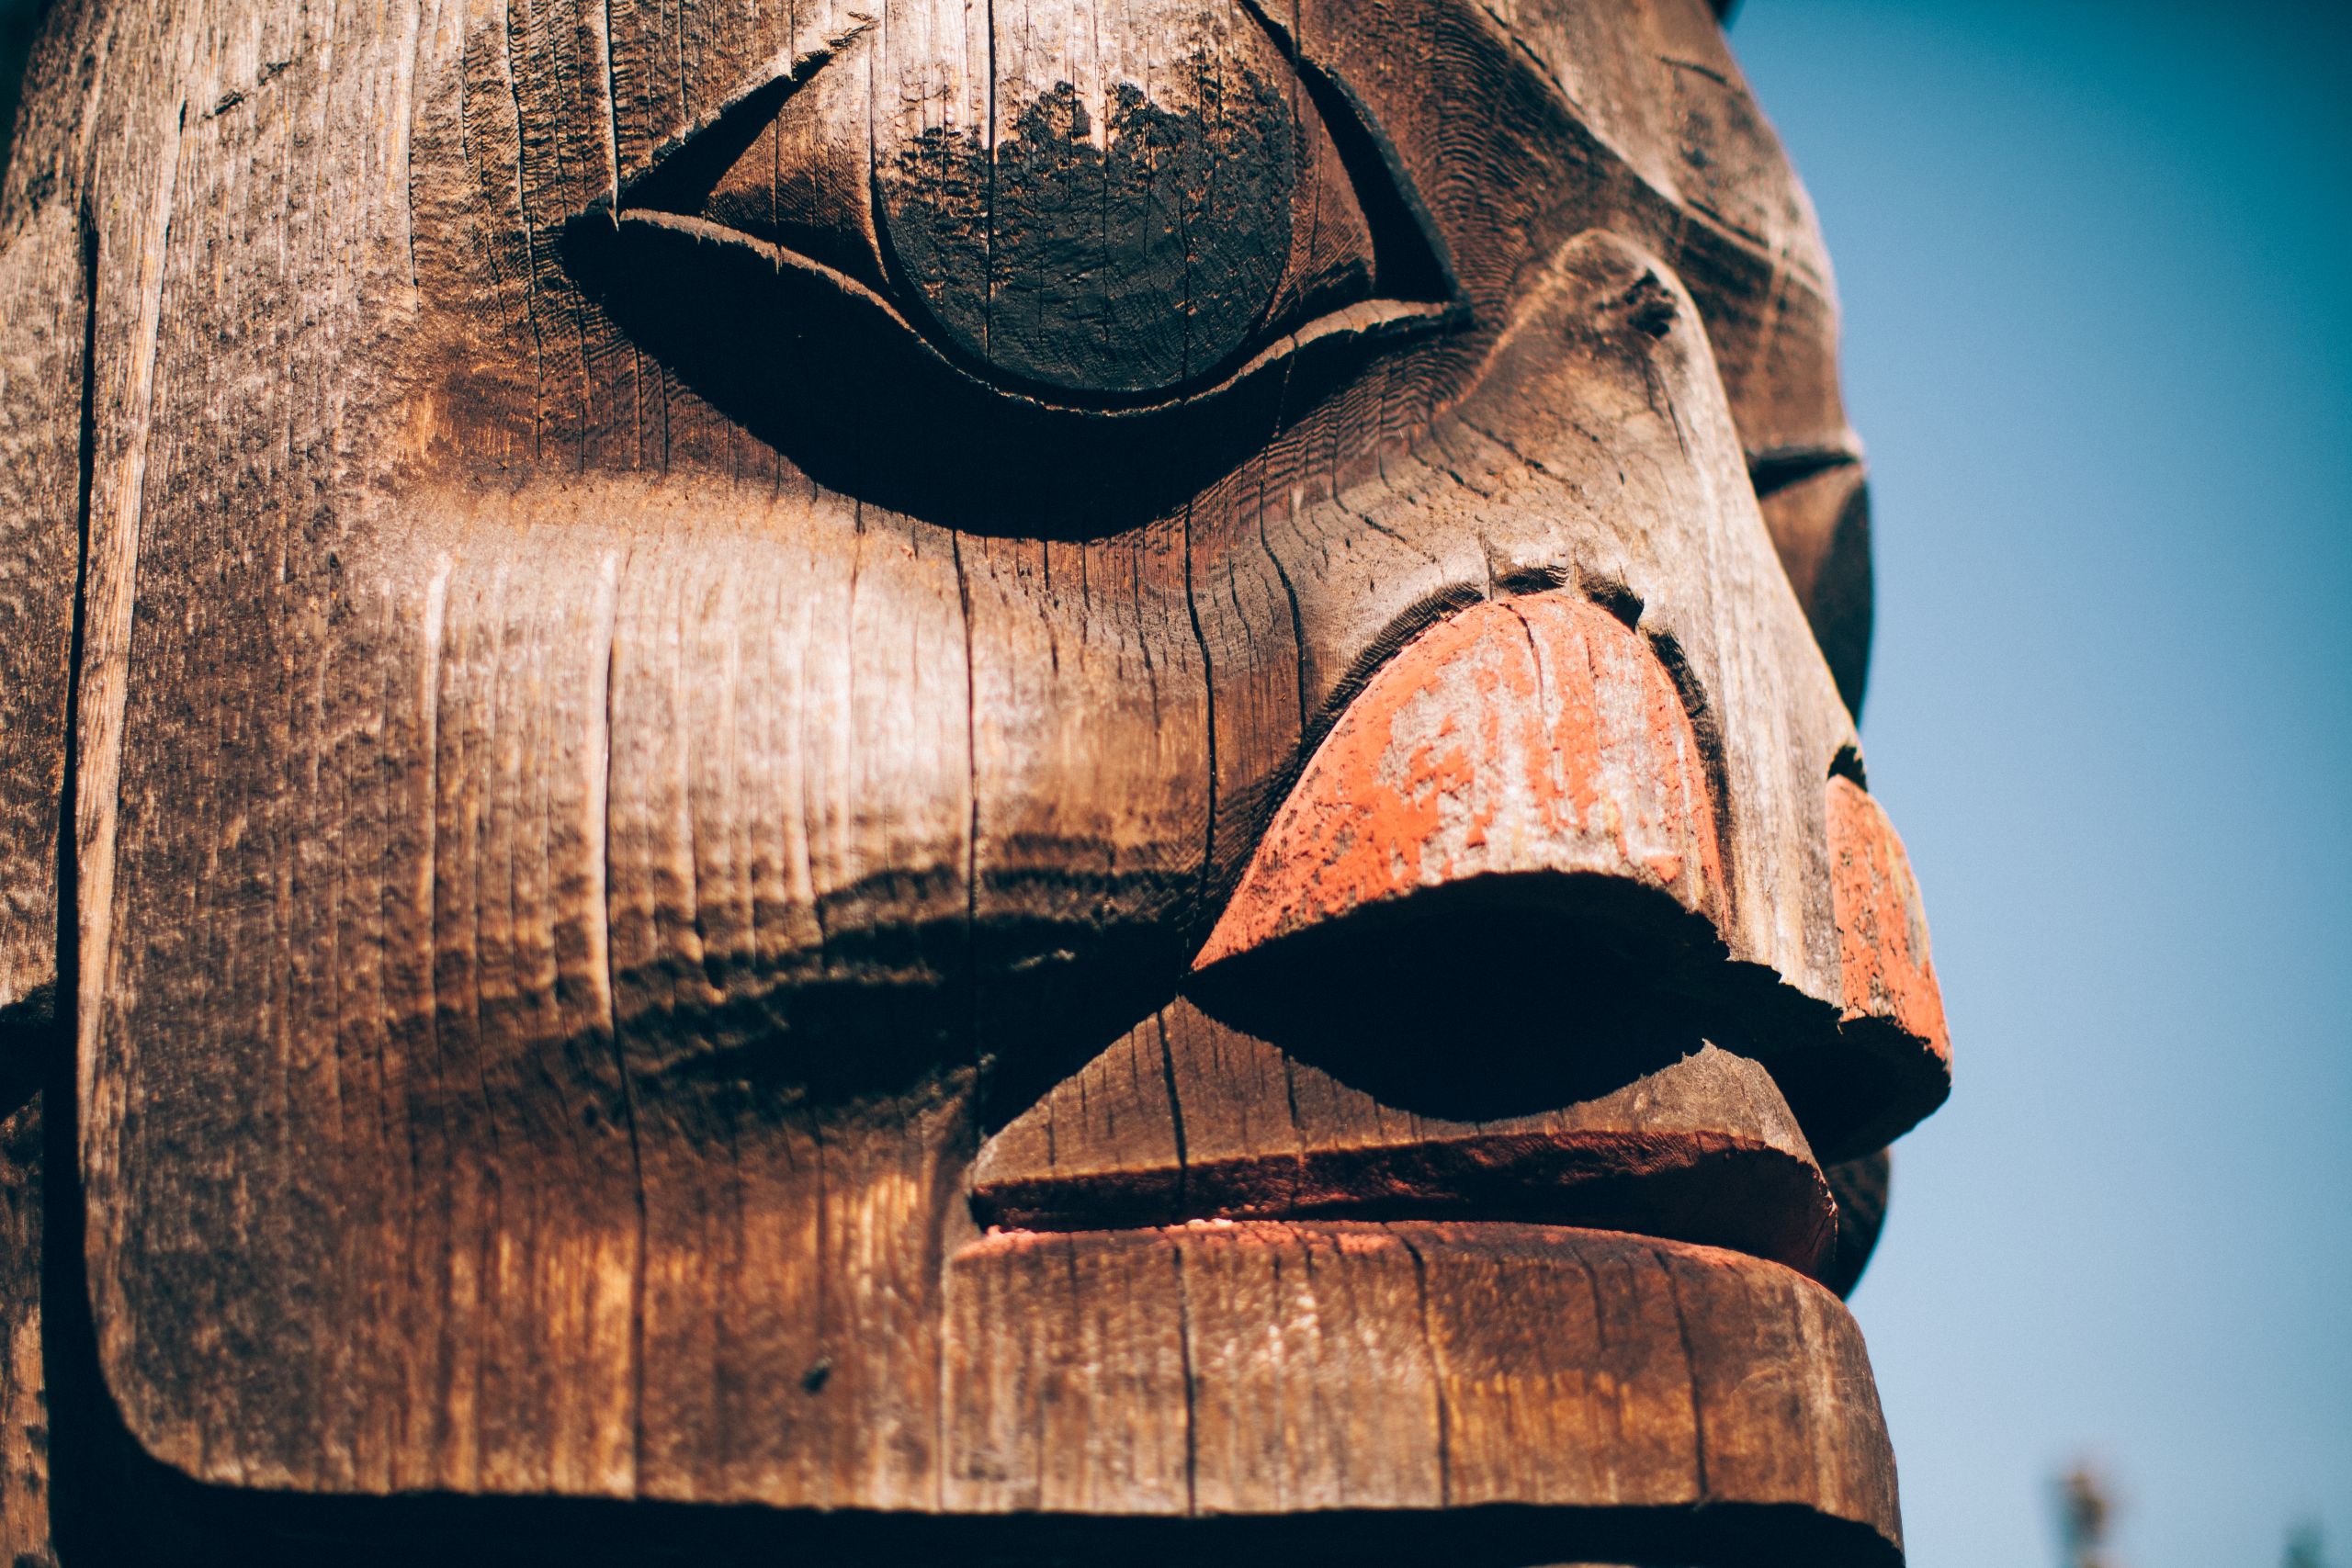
(2098, 341)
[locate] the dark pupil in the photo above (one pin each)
(1130, 268)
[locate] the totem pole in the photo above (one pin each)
(933, 781)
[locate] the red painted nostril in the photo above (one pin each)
(1885, 975)
(1520, 738)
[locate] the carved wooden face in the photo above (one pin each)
(1081, 757)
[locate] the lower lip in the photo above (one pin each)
(1262, 1366)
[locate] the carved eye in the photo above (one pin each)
(1115, 231)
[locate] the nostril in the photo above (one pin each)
(1646, 306)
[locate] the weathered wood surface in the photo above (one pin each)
(41, 430)
(24, 1406)
(1816, 504)
(584, 824)
(1680, 1374)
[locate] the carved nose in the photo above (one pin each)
(1508, 848)
(1485, 892)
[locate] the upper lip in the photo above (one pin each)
(1187, 1119)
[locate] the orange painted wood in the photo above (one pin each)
(1537, 736)
(1882, 924)
(1892, 1061)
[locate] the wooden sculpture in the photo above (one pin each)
(920, 781)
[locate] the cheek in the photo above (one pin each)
(781, 786)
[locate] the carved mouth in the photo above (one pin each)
(1472, 970)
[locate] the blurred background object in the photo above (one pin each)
(2085, 1508)
(2305, 1547)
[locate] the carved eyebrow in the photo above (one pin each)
(1616, 162)
(1515, 55)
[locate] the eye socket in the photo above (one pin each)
(1090, 247)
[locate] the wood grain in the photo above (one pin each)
(1691, 1376)
(596, 792)
(42, 359)
(24, 1405)
(1186, 1118)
